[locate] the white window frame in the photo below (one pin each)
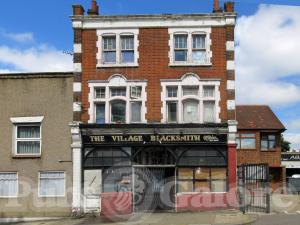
(26, 121)
(17, 185)
(117, 80)
(190, 32)
(51, 196)
(189, 79)
(117, 33)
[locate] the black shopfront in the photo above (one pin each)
(154, 162)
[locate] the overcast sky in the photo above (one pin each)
(34, 34)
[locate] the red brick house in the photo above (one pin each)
(154, 105)
(259, 138)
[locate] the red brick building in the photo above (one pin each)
(259, 140)
(155, 99)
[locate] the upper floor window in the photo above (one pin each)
(246, 141)
(190, 46)
(125, 101)
(190, 100)
(27, 136)
(268, 141)
(117, 48)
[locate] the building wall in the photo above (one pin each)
(153, 66)
(51, 98)
(251, 156)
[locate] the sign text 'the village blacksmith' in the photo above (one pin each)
(151, 139)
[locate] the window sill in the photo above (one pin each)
(27, 156)
(175, 64)
(52, 196)
(117, 65)
(5, 197)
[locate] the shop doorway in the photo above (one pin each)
(154, 189)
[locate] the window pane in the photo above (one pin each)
(190, 111)
(109, 43)
(180, 55)
(8, 184)
(118, 92)
(238, 142)
(136, 91)
(117, 180)
(172, 92)
(100, 92)
(199, 41)
(28, 132)
(185, 173)
(191, 90)
(248, 135)
(127, 56)
(271, 137)
(218, 173)
(218, 186)
(100, 113)
(199, 56)
(202, 173)
(208, 91)
(202, 186)
(172, 111)
(52, 184)
(264, 144)
(208, 112)
(272, 144)
(109, 57)
(28, 147)
(247, 143)
(136, 111)
(185, 186)
(118, 111)
(127, 43)
(180, 41)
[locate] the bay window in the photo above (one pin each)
(117, 101)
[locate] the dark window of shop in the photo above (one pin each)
(201, 179)
(246, 141)
(118, 111)
(106, 157)
(268, 141)
(117, 179)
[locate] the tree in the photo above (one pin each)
(285, 145)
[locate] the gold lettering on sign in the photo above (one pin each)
(97, 138)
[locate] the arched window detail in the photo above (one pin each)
(107, 157)
(209, 157)
(154, 156)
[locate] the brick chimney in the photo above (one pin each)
(94, 10)
(78, 10)
(216, 7)
(229, 6)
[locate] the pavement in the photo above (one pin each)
(222, 217)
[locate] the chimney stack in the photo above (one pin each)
(229, 6)
(78, 10)
(216, 7)
(94, 10)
